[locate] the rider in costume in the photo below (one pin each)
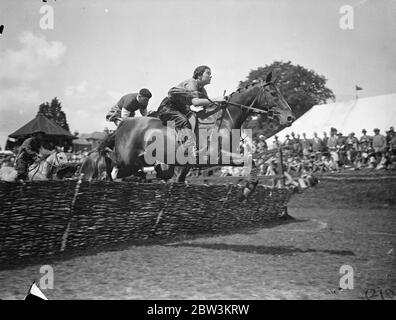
(128, 105)
(28, 154)
(176, 106)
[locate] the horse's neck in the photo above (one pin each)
(46, 164)
(235, 116)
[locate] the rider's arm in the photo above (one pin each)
(125, 113)
(202, 102)
(27, 146)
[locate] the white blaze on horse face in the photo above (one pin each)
(62, 158)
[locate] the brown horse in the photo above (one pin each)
(135, 136)
(96, 166)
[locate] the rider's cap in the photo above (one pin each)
(145, 93)
(376, 129)
(364, 130)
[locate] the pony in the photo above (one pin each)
(135, 135)
(44, 169)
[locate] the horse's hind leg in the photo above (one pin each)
(164, 171)
(181, 177)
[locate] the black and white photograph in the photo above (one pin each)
(200, 156)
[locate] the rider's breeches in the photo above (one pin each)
(22, 166)
(180, 120)
(181, 123)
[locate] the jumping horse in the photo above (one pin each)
(134, 136)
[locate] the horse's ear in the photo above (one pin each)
(269, 77)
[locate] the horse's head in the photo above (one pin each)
(57, 158)
(271, 99)
(262, 97)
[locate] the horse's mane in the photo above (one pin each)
(244, 88)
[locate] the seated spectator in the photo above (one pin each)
(390, 135)
(262, 145)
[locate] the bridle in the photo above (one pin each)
(270, 111)
(37, 167)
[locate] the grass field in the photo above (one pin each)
(296, 259)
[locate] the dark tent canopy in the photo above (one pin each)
(42, 123)
(55, 134)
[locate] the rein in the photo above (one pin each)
(49, 163)
(250, 107)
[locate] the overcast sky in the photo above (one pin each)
(100, 50)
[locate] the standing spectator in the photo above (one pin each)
(351, 147)
(325, 150)
(332, 147)
(364, 147)
(305, 145)
(317, 145)
(379, 145)
(288, 144)
(296, 144)
(340, 144)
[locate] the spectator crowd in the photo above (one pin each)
(329, 153)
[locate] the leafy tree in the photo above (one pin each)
(54, 112)
(302, 89)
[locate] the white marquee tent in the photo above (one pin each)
(346, 117)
